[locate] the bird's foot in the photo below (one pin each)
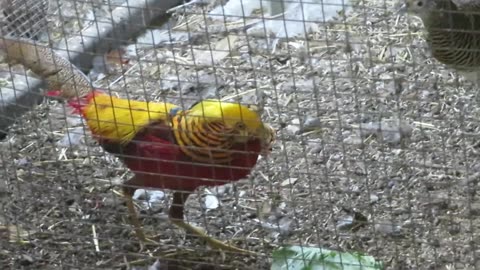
(146, 243)
(212, 242)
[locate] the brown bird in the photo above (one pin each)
(453, 32)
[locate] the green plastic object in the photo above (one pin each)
(312, 258)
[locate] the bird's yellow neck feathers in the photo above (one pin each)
(119, 120)
(207, 124)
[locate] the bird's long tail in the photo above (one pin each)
(63, 78)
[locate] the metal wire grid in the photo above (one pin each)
(24, 18)
(366, 71)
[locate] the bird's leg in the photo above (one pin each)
(176, 217)
(135, 222)
(134, 219)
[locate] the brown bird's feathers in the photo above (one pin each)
(453, 32)
(473, 5)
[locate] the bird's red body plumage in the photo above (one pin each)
(158, 163)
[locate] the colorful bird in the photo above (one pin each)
(210, 144)
(453, 32)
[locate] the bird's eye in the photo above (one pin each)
(419, 4)
(240, 125)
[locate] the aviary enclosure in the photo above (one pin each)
(376, 153)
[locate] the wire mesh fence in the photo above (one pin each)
(375, 149)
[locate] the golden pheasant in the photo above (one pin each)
(210, 144)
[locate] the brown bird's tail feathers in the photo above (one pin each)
(63, 78)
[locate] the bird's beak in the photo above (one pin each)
(267, 134)
(242, 136)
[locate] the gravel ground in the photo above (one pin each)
(376, 153)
